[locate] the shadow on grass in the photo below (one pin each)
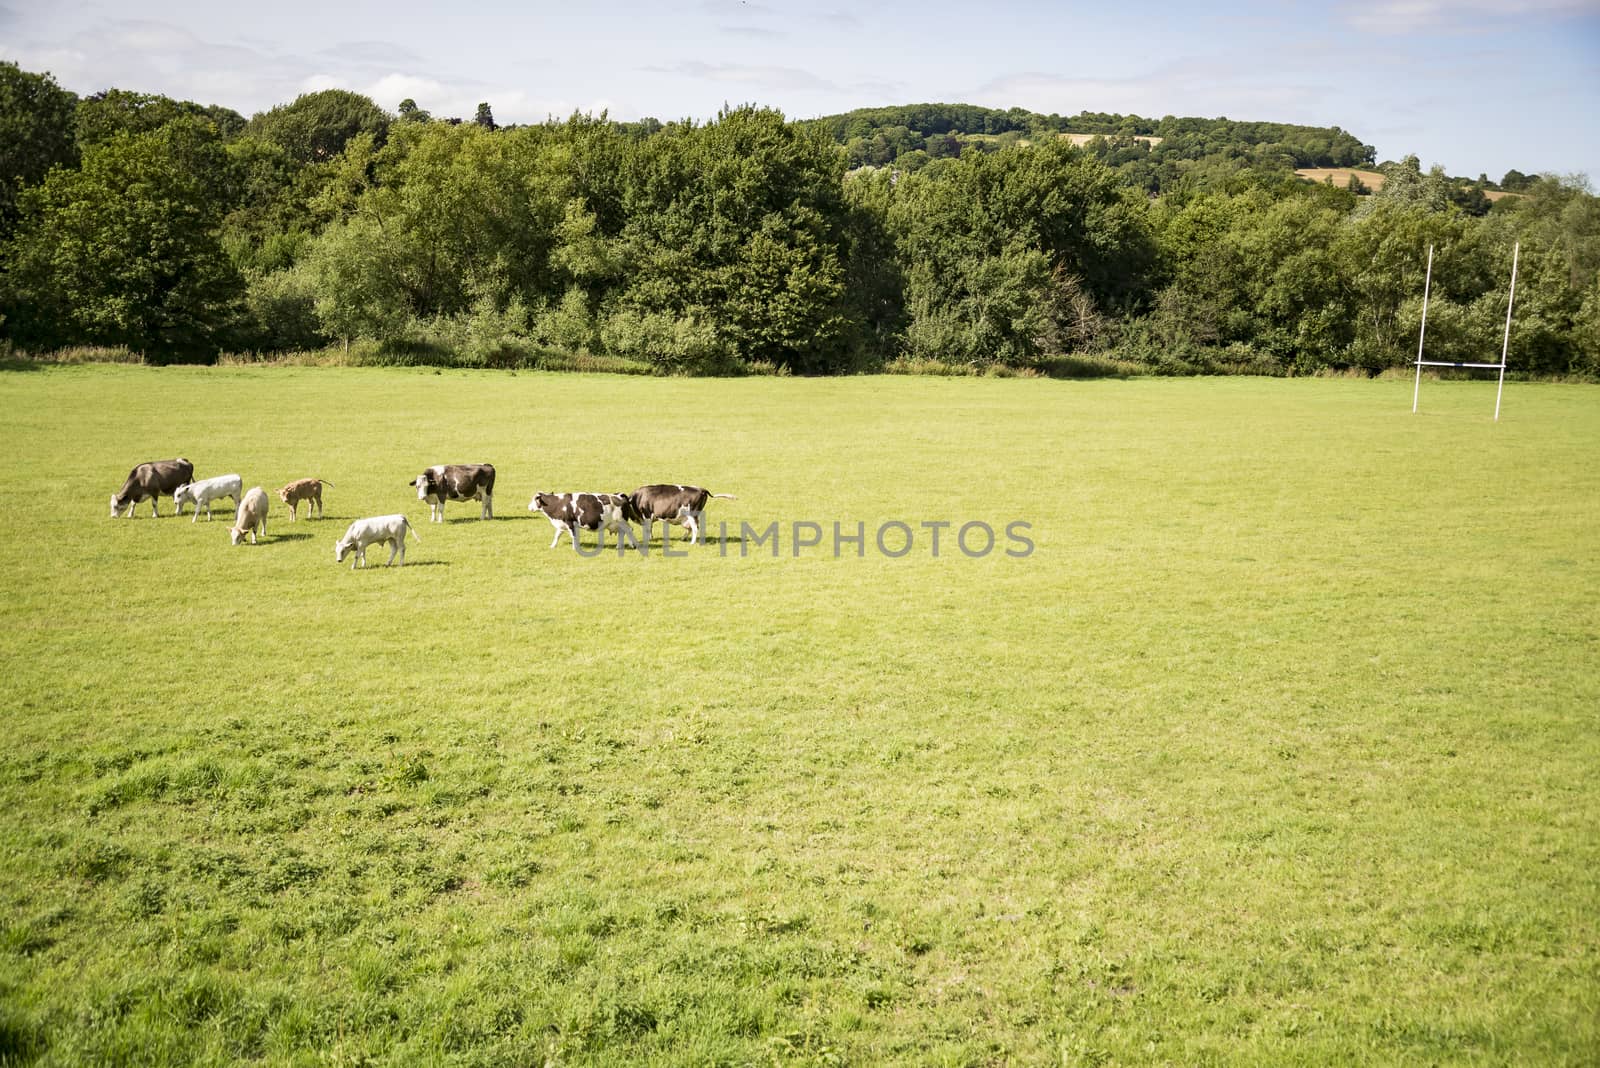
(290, 537)
(12, 363)
(512, 518)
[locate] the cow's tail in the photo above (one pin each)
(725, 496)
(413, 532)
(324, 481)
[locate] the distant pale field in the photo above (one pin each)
(1081, 139)
(1373, 180)
(1282, 747)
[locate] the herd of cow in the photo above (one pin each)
(672, 505)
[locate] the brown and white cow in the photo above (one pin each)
(591, 511)
(456, 482)
(305, 489)
(672, 504)
(156, 479)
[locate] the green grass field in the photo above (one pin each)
(1282, 747)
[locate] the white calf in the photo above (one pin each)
(375, 530)
(207, 490)
(252, 517)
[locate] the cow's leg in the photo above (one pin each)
(646, 524)
(155, 510)
(394, 547)
(488, 506)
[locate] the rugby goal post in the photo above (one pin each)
(1505, 342)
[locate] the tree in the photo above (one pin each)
(410, 112)
(125, 251)
(1000, 251)
(485, 117)
(738, 225)
(316, 126)
(36, 118)
(114, 111)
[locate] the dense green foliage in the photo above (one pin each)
(35, 134)
(126, 249)
(103, 116)
(1280, 749)
(978, 237)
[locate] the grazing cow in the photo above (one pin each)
(205, 491)
(591, 511)
(374, 531)
(305, 489)
(456, 482)
(678, 505)
(154, 480)
(252, 517)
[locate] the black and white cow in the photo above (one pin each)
(592, 511)
(156, 479)
(456, 482)
(676, 505)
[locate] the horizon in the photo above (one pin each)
(1410, 77)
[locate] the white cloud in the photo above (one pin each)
(1410, 16)
(458, 99)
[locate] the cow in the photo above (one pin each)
(375, 530)
(591, 511)
(455, 482)
(154, 480)
(305, 489)
(205, 491)
(252, 517)
(677, 505)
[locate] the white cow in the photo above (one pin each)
(375, 530)
(207, 490)
(252, 517)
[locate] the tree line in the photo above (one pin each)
(180, 231)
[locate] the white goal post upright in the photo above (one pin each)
(1427, 285)
(1505, 343)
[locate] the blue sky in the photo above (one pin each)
(1479, 86)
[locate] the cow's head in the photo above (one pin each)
(341, 549)
(542, 502)
(283, 495)
(424, 483)
(236, 535)
(183, 493)
(117, 505)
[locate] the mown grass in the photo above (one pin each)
(1281, 747)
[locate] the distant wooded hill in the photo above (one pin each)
(1150, 152)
